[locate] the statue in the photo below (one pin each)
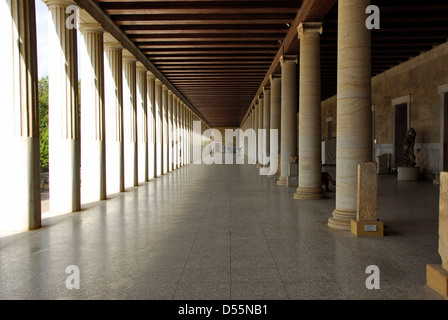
(408, 148)
(293, 158)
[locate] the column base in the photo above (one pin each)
(281, 181)
(437, 279)
(341, 219)
(309, 194)
(367, 228)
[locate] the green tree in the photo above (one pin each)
(43, 123)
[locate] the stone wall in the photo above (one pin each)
(417, 81)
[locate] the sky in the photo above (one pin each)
(42, 17)
(42, 37)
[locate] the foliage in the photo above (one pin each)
(43, 123)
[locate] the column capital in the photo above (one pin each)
(158, 82)
(275, 76)
(170, 93)
(141, 66)
(129, 57)
(112, 45)
(150, 75)
(288, 58)
(309, 27)
(266, 88)
(62, 3)
(164, 87)
(261, 96)
(90, 27)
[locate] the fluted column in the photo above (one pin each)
(260, 129)
(183, 134)
(310, 163)
(152, 117)
(130, 120)
(19, 122)
(170, 131)
(175, 154)
(178, 139)
(159, 128)
(165, 128)
(64, 136)
(267, 122)
(113, 110)
(288, 114)
(276, 81)
(93, 143)
(142, 123)
(354, 134)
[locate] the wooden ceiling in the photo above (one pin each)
(218, 54)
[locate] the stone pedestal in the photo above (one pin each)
(408, 173)
(366, 223)
(437, 275)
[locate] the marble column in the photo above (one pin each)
(93, 143)
(152, 117)
(165, 128)
(175, 154)
(310, 163)
(260, 129)
(113, 112)
(170, 131)
(64, 135)
(276, 81)
(142, 123)
(354, 134)
(288, 114)
(178, 141)
(267, 122)
(159, 128)
(256, 127)
(19, 123)
(130, 120)
(183, 134)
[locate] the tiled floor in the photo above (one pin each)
(224, 232)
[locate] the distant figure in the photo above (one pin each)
(326, 178)
(293, 158)
(408, 148)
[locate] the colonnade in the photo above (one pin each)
(289, 101)
(125, 128)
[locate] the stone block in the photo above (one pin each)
(443, 219)
(367, 192)
(292, 181)
(367, 228)
(293, 170)
(383, 163)
(437, 279)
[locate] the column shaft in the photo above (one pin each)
(170, 131)
(130, 121)
(113, 104)
(165, 128)
(267, 123)
(354, 107)
(159, 128)
(142, 123)
(310, 163)
(288, 114)
(93, 143)
(64, 136)
(152, 117)
(19, 123)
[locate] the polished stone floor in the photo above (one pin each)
(224, 232)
